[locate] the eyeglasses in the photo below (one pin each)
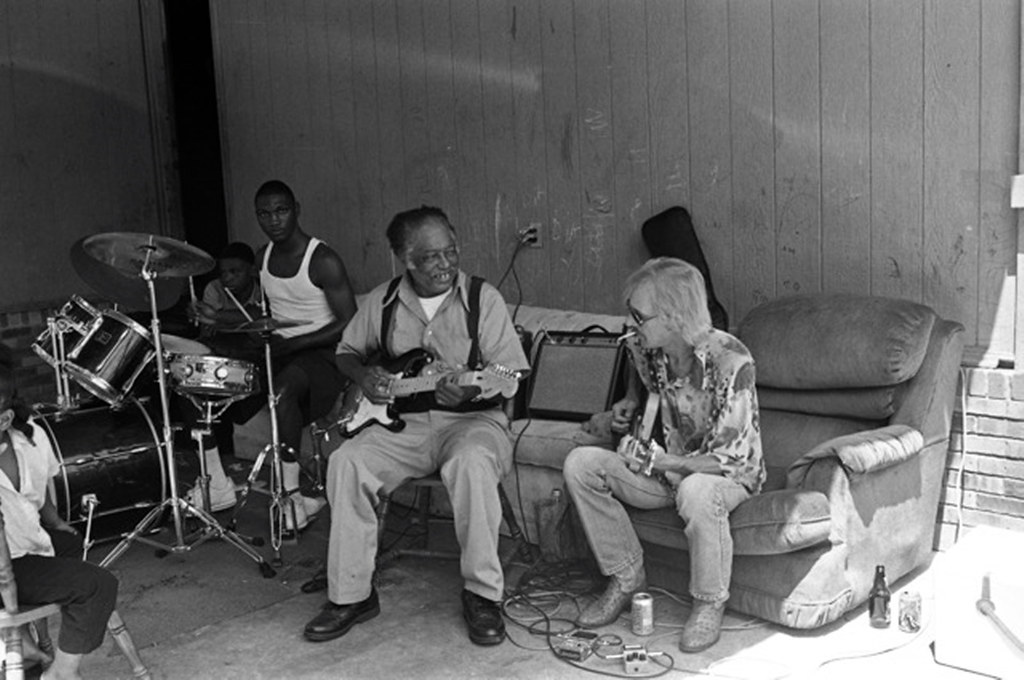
(280, 212)
(639, 318)
(434, 258)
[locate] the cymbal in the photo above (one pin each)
(126, 252)
(264, 324)
(130, 292)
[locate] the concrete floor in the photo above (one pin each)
(208, 613)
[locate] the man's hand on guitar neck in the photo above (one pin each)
(450, 394)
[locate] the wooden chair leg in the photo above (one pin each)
(14, 666)
(43, 639)
(124, 641)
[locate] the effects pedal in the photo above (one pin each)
(575, 646)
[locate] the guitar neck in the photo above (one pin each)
(403, 387)
(644, 427)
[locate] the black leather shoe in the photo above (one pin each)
(483, 618)
(334, 620)
(317, 583)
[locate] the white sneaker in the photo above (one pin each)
(222, 496)
(305, 508)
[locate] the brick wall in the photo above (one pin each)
(18, 330)
(992, 492)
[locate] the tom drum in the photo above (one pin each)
(110, 357)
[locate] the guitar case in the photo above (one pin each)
(670, 233)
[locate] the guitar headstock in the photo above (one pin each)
(492, 380)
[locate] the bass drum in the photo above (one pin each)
(113, 454)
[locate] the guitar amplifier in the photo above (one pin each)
(575, 374)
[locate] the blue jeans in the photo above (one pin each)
(599, 483)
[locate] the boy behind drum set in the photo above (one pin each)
(230, 299)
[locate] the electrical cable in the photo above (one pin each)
(963, 455)
(520, 244)
(536, 605)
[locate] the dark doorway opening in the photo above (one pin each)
(197, 127)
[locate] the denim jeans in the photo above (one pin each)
(599, 483)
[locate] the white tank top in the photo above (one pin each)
(296, 298)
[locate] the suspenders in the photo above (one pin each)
(472, 319)
(425, 401)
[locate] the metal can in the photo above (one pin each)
(642, 614)
(910, 611)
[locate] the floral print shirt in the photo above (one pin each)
(713, 409)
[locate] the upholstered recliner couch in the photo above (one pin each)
(856, 397)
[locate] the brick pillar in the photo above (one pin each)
(985, 486)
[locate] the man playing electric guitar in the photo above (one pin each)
(702, 383)
(464, 325)
(415, 372)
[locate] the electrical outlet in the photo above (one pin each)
(530, 236)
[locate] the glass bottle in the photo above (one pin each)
(878, 600)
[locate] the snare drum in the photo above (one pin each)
(211, 376)
(70, 324)
(110, 357)
(111, 453)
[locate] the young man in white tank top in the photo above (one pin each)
(304, 280)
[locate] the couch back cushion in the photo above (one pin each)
(830, 342)
(787, 435)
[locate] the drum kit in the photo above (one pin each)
(117, 454)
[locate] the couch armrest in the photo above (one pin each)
(861, 452)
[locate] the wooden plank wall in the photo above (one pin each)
(833, 145)
(76, 138)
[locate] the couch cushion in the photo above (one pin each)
(786, 435)
(767, 524)
(546, 443)
(873, 403)
(836, 341)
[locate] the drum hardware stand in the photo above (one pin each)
(208, 417)
(281, 501)
(178, 505)
(90, 502)
(64, 399)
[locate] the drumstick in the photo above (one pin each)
(192, 293)
(238, 304)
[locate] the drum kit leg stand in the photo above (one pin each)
(282, 503)
(180, 507)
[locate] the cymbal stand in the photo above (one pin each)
(178, 505)
(281, 500)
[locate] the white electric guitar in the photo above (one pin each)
(357, 412)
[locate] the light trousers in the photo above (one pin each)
(599, 483)
(472, 451)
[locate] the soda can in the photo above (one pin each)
(910, 611)
(642, 614)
